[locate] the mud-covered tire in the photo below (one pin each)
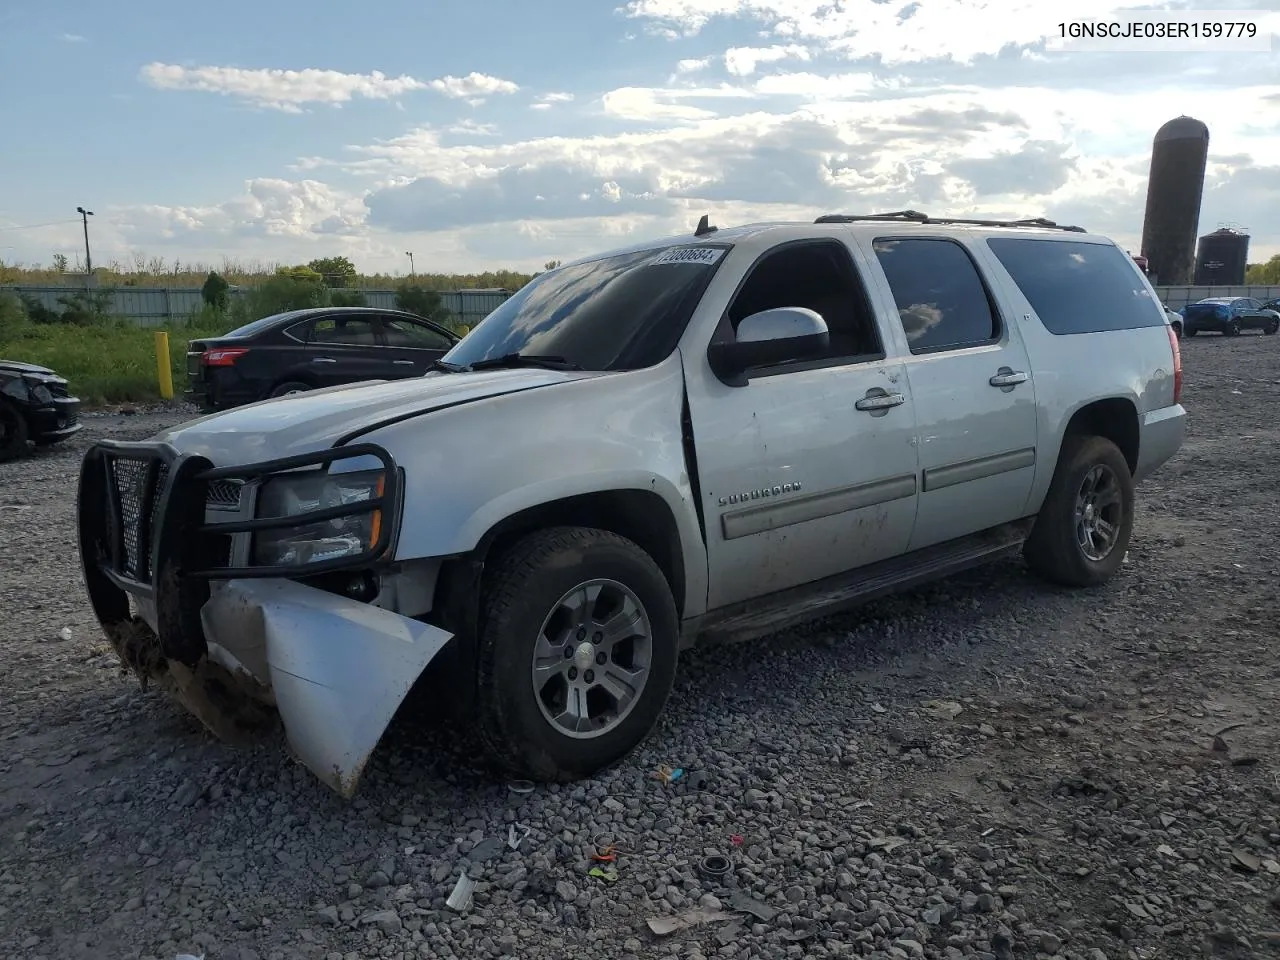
(522, 588)
(13, 432)
(1054, 550)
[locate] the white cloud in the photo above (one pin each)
(812, 86)
(961, 151)
(472, 85)
(72, 38)
(666, 103)
(285, 90)
(693, 66)
(269, 207)
(471, 128)
(742, 61)
(894, 33)
(547, 100)
(289, 90)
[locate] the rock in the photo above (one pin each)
(795, 894)
(188, 792)
(1048, 942)
(566, 890)
(328, 916)
(388, 921)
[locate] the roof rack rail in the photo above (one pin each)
(851, 217)
(915, 216)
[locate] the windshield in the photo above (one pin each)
(249, 329)
(621, 312)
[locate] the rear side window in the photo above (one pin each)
(942, 301)
(1078, 287)
(347, 331)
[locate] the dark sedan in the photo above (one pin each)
(1228, 316)
(35, 407)
(289, 353)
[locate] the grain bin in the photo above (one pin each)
(1222, 259)
(1178, 156)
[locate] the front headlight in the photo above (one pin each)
(315, 541)
(39, 392)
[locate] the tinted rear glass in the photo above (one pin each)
(1079, 287)
(256, 326)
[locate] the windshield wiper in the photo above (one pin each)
(446, 367)
(524, 360)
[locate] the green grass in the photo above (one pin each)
(111, 363)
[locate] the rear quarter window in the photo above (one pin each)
(1078, 287)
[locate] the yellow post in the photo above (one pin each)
(164, 370)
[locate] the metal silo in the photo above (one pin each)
(1178, 156)
(1222, 259)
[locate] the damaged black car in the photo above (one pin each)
(36, 407)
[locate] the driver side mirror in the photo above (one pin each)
(768, 337)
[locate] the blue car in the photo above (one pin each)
(1228, 316)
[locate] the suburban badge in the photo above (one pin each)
(774, 491)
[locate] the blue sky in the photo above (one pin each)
(489, 133)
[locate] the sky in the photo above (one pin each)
(497, 133)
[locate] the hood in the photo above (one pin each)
(306, 422)
(17, 366)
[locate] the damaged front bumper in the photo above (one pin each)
(240, 645)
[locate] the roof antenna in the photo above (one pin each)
(704, 227)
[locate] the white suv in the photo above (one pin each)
(710, 436)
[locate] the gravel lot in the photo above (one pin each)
(985, 768)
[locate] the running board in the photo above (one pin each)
(787, 608)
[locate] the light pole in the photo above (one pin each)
(88, 263)
(409, 254)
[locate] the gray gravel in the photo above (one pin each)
(986, 768)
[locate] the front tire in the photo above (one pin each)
(13, 432)
(1232, 329)
(578, 643)
(1273, 327)
(1083, 528)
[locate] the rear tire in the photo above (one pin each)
(1065, 546)
(13, 432)
(1177, 330)
(288, 388)
(543, 633)
(1189, 331)
(1275, 325)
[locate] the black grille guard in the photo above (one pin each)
(142, 531)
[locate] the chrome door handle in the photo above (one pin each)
(406, 362)
(1008, 378)
(323, 360)
(881, 401)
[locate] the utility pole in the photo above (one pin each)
(88, 263)
(409, 254)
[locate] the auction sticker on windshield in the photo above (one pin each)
(706, 255)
